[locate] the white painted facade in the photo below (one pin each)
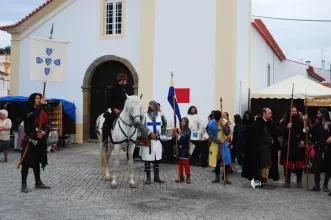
(4, 75)
(267, 69)
(72, 24)
(185, 44)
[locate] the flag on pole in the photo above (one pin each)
(48, 60)
(172, 98)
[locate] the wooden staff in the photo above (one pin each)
(176, 138)
(289, 137)
(305, 121)
(40, 120)
(223, 158)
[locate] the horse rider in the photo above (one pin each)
(115, 96)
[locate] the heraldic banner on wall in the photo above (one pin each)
(48, 59)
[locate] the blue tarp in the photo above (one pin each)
(68, 107)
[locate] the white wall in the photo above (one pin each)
(4, 84)
(243, 28)
(185, 40)
(325, 73)
(262, 55)
(79, 23)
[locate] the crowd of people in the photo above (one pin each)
(253, 143)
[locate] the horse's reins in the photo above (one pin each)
(128, 138)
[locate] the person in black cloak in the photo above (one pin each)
(36, 141)
(238, 141)
(257, 156)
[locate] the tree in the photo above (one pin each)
(5, 50)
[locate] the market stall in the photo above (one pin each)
(277, 97)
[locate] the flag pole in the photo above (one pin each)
(175, 126)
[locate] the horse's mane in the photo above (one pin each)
(132, 100)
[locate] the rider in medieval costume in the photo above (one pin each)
(153, 153)
(218, 130)
(115, 99)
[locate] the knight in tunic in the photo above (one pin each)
(152, 153)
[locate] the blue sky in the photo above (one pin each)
(298, 40)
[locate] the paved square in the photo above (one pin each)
(79, 191)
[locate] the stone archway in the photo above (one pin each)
(91, 70)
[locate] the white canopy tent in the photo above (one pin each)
(303, 87)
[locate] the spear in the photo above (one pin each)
(306, 132)
(289, 138)
(224, 170)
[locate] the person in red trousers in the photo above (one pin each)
(183, 156)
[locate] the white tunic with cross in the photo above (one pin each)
(155, 153)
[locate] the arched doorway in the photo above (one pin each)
(102, 73)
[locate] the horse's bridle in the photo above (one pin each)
(128, 138)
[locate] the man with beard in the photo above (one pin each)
(257, 157)
(152, 153)
(296, 157)
(115, 99)
(321, 132)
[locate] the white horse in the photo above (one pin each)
(123, 135)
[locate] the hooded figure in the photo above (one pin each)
(36, 128)
(153, 153)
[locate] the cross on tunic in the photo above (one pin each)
(154, 124)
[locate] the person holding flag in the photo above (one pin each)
(174, 105)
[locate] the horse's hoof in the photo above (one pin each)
(133, 185)
(108, 178)
(113, 186)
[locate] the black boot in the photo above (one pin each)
(24, 172)
(316, 188)
(299, 178)
(265, 184)
(39, 183)
(156, 174)
(325, 185)
(148, 173)
(24, 188)
(217, 178)
(148, 179)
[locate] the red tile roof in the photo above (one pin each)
(311, 71)
(264, 32)
(326, 84)
(4, 28)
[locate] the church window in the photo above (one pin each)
(269, 75)
(113, 17)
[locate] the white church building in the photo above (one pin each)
(214, 50)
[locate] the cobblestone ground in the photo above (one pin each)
(79, 191)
